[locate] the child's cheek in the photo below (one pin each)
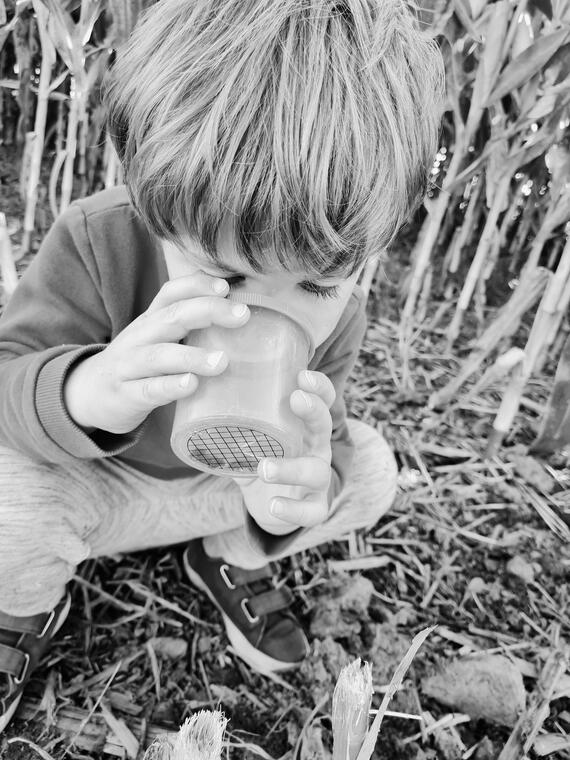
(325, 314)
(177, 264)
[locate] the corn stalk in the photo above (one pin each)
(479, 260)
(555, 429)
(352, 698)
(7, 266)
(505, 325)
(525, 58)
(200, 738)
(44, 89)
(70, 40)
(495, 24)
(553, 301)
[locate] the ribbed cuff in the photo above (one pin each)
(56, 421)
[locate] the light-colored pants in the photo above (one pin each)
(52, 517)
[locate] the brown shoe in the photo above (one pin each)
(23, 642)
(261, 627)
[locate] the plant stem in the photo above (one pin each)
(351, 702)
(70, 145)
(7, 266)
(540, 333)
(476, 267)
(47, 63)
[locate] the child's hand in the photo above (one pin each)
(289, 493)
(145, 366)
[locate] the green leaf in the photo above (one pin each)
(477, 7)
(6, 30)
(561, 59)
(60, 30)
(465, 13)
(529, 95)
(540, 141)
(496, 164)
(492, 52)
(528, 63)
(90, 12)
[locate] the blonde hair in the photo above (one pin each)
(311, 125)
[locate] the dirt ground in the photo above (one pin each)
(479, 548)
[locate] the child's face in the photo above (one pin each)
(320, 300)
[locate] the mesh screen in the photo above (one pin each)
(232, 448)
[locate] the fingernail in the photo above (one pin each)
(269, 470)
(213, 359)
(308, 400)
(239, 310)
(276, 508)
(311, 379)
(218, 286)
(185, 381)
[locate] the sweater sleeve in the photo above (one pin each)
(336, 359)
(55, 317)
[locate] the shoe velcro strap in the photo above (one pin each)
(34, 624)
(13, 661)
(270, 601)
(240, 577)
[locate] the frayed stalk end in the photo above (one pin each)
(200, 738)
(351, 702)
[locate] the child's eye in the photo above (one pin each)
(321, 291)
(233, 280)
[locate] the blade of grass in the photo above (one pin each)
(371, 737)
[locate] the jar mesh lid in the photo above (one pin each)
(232, 448)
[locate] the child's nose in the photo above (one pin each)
(268, 286)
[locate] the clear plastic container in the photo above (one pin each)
(243, 415)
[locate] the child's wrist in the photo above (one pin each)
(74, 397)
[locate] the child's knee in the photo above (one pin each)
(39, 548)
(374, 476)
(36, 509)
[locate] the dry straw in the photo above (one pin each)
(199, 738)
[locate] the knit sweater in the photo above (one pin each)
(98, 268)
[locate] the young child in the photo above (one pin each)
(267, 145)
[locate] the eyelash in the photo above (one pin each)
(320, 291)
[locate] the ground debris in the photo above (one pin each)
(322, 667)
(486, 750)
(519, 567)
(386, 651)
(446, 738)
(312, 747)
(343, 607)
(533, 472)
(170, 647)
(484, 686)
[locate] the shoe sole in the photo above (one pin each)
(257, 660)
(7, 717)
